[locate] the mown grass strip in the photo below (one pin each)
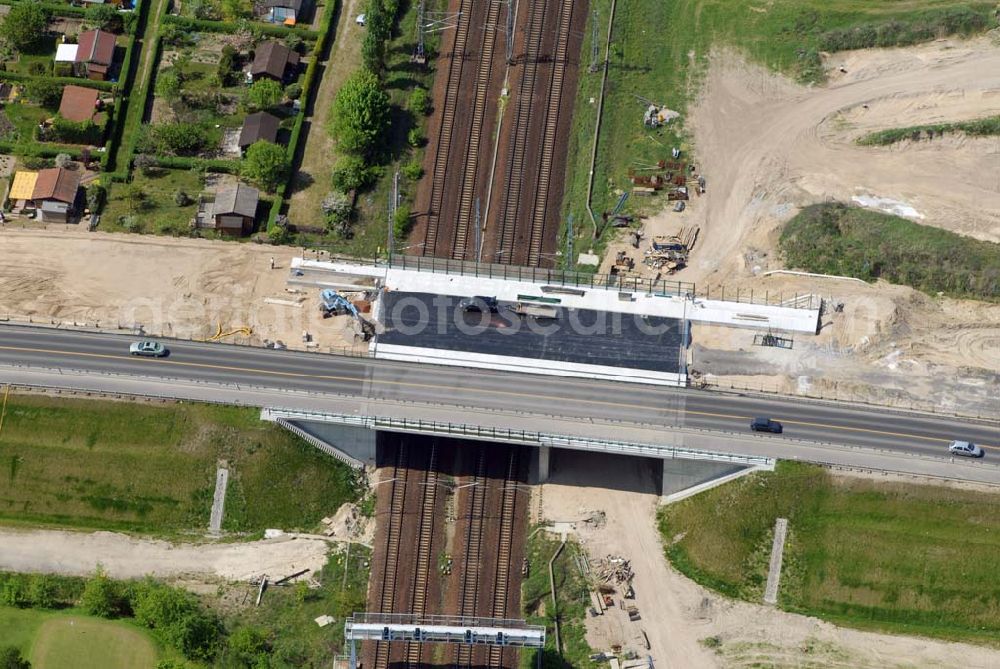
(900, 557)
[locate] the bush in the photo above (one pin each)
(173, 139)
(38, 68)
(177, 619)
(63, 160)
(103, 597)
(265, 164)
(293, 91)
(168, 85)
(337, 208)
(130, 223)
(922, 28)
(73, 132)
(250, 647)
(401, 221)
(25, 25)
(11, 658)
(352, 173)
(96, 196)
(144, 163)
(413, 170)
(415, 137)
(419, 102)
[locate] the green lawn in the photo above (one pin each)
(59, 640)
(25, 118)
(659, 51)
(900, 557)
(573, 599)
(156, 210)
(833, 238)
(151, 468)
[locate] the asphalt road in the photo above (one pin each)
(556, 396)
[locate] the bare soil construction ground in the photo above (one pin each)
(123, 557)
(679, 615)
(768, 146)
(184, 288)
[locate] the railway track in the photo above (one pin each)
(448, 112)
(469, 178)
(519, 145)
(552, 109)
(506, 538)
(393, 531)
(473, 552)
(425, 542)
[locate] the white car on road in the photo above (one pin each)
(966, 449)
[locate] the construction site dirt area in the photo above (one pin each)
(498, 135)
(450, 526)
(185, 288)
(608, 504)
(768, 147)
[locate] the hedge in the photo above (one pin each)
(40, 149)
(86, 83)
(204, 25)
(53, 8)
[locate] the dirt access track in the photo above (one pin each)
(122, 556)
(184, 288)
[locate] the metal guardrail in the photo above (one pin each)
(512, 436)
(539, 275)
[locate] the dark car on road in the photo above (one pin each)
(760, 424)
(479, 303)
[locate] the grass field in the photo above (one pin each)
(57, 640)
(984, 127)
(150, 200)
(906, 558)
(658, 53)
(837, 239)
(151, 469)
(572, 597)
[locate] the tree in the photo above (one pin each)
(263, 94)
(360, 116)
(11, 658)
(145, 163)
(173, 139)
(266, 164)
(105, 17)
(63, 160)
(96, 194)
(26, 25)
(44, 92)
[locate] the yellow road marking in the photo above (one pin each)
(429, 386)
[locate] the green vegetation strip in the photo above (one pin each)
(572, 598)
(900, 557)
(144, 468)
(833, 238)
(984, 127)
(658, 53)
